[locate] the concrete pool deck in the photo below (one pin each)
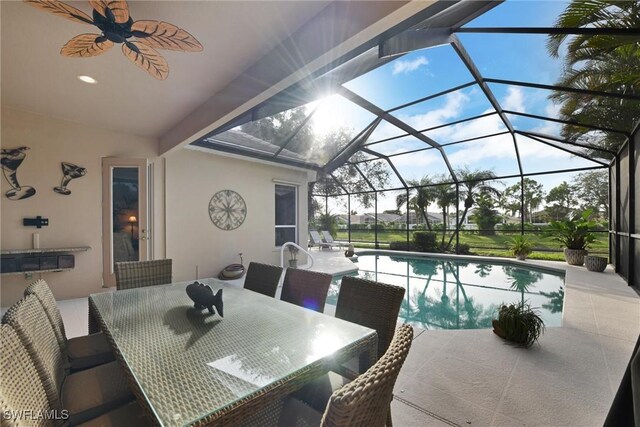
(472, 377)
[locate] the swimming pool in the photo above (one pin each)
(461, 293)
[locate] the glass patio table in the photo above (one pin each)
(187, 367)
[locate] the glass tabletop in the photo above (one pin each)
(190, 364)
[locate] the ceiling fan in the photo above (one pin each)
(139, 39)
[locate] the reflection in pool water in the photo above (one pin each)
(461, 294)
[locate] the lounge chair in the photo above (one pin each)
(329, 239)
(316, 240)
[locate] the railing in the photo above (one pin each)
(295, 245)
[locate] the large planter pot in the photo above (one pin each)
(575, 256)
(595, 263)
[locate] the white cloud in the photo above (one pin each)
(407, 66)
(514, 100)
(452, 109)
(496, 147)
(551, 110)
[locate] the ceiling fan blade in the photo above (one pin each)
(163, 35)
(120, 9)
(85, 45)
(147, 58)
(61, 9)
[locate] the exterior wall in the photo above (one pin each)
(193, 242)
(76, 219)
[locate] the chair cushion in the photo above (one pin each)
(129, 415)
(316, 394)
(297, 414)
(90, 393)
(88, 351)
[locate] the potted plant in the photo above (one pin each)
(575, 235)
(293, 257)
(521, 247)
(518, 323)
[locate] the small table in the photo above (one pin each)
(187, 367)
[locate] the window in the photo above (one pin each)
(286, 214)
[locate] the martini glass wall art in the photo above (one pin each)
(11, 159)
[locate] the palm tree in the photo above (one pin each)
(521, 279)
(445, 196)
(420, 198)
(600, 62)
(473, 183)
(555, 302)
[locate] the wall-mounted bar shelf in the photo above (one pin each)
(41, 260)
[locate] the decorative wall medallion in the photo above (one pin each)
(11, 159)
(116, 26)
(69, 172)
(227, 210)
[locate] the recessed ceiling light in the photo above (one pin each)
(88, 79)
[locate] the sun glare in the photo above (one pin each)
(329, 115)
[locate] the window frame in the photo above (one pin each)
(297, 219)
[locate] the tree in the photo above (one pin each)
(473, 183)
(561, 200)
(290, 127)
(486, 216)
(419, 198)
(599, 62)
(533, 197)
(349, 177)
(445, 197)
(592, 190)
(328, 222)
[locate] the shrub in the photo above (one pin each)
(402, 245)
(464, 249)
(379, 226)
(425, 241)
(328, 222)
(357, 227)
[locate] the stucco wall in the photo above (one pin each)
(192, 177)
(183, 229)
(74, 220)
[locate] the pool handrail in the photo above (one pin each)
(299, 248)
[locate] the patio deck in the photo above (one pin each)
(472, 377)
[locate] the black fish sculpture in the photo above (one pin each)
(203, 297)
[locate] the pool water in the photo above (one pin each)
(461, 294)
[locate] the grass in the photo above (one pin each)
(495, 245)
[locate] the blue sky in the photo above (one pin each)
(429, 71)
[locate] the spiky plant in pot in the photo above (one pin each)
(521, 247)
(518, 323)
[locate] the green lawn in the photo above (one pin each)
(481, 245)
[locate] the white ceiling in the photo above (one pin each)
(235, 34)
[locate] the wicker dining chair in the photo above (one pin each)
(263, 278)
(20, 386)
(85, 394)
(372, 304)
(306, 288)
(367, 303)
(83, 352)
(138, 274)
(22, 390)
(364, 402)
